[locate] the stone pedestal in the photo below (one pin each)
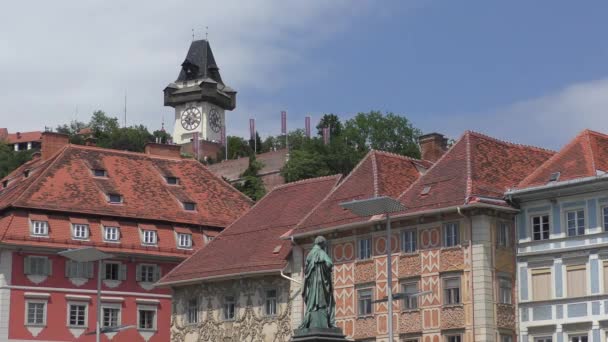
(318, 335)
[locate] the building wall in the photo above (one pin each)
(564, 315)
(250, 323)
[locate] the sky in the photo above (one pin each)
(531, 72)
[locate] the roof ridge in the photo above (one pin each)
(590, 149)
(486, 136)
(469, 188)
(220, 178)
(142, 154)
(397, 155)
(374, 173)
(302, 181)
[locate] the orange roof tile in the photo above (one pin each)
(22, 137)
(251, 243)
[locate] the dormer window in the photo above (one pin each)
(554, 177)
(100, 173)
(172, 180)
(80, 231)
(40, 228)
(149, 237)
(5, 183)
(189, 206)
(184, 240)
(114, 198)
(26, 173)
(111, 234)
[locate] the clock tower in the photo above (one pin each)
(199, 96)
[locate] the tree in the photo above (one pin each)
(257, 145)
(251, 184)
(11, 159)
(304, 164)
(295, 139)
(237, 147)
(133, 138)
(162, 136)
(72, 131)
(103, 126)
(333, 122)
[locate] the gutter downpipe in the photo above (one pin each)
(289, 278)
(459, 211)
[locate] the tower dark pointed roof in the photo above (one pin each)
(200, 63)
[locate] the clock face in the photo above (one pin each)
(191, 118)
(215, 121)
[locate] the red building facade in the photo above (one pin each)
(150, 211)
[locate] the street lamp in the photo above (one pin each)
(92, 254)
(375, 206)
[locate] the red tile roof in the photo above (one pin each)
(3, 134)
(378, 174)
(22, 137)
(583, 156)
(253, 243)
(476, 168)
(65, 183)
(232, 169)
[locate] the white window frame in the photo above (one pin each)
(604, 214)
(146, 239)
(549, 224)
(448, 297)
(226, 309)
(44, 303)
(112, 307)
(451, 234)
(184, 204)
(578, 336)
(371, 299)
(120, 201)
(411, 245)
(150, 308)
(503, 234)
(190, 313)
(576, 212)
(448, 336)
(505, 294)
(146, 279)
(39, 228)
(80, 231)
(188, 239)
(410, 303)
(118, 264)
(543, 338)
(107, 232)
(368, 248)
(271, 304)
(69, 312)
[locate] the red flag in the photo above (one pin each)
(223, 136)
(283, 122)
(252, 129)
(307, 126)
(326, 135)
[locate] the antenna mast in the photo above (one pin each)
(125, 120)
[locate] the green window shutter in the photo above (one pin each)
(27, 265)
(90, 269)
(68, 267)
(123, 272)
(156, 273)
(138, 272)
(49, 267)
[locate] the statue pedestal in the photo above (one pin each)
(318, 335)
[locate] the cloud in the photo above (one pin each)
(62, 60)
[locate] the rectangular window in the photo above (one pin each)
(364, 298)
(578, 338)
(451, 234)
(77, 315)
(365, 248)
(172, 180)
(541, 284)
(453, 338)
(505, 291)
(576, 222)
(80, 231)
(35, 313)
(229, 305)
(37, 265)
(99, 173)
(74, 269)
(605, 276)
(408, 241)
(190, 206)
(271, 302)
(543, 339)
(40, 228)
(451, 290)
(576, 280)
(540, 227)
(184, 240)
(149, 237)
(410, 303)
(146, 319)
(111, 234)
(605, 215)
(114, 271)
(114, 198)
(506, 338)
(193, 311)
(111, 317)
(148, 273)
(502, 238)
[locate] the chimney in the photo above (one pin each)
(432, 146)
(53, 143)
(163, 150)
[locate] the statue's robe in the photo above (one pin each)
(318, 291)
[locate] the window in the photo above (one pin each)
(543, 339)
(576, 222)
(114, 198)
(80, 231)
(111, 234)
(451, 234)
(576, 280)
(541, 284)
(5, 184)
(36, 313)
(271, 302)
(99, 173)
(578, 338)
(77, 315)
(229, 308)
(74, 269)
(146, 319)
(192, 311)
(453, 338)
(190, 206)
(451, 291)
(40, 228)
(37, 265)
(605, 214)
(505, 291)
(408, 241)
(172, 180)
(540, 227)
(184, 240)
(605, 276)
(114, 271)
(365, 248)
(148, 273)
(410, 303)
(26, 173)
(149, 237)
(506, 338)
(111, 317)
(365, 302)
(502, 238)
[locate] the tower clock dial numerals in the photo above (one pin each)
(215, 121)
(191, 118)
